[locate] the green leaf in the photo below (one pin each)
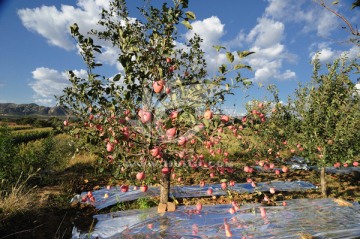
(240, 66)
(187, 24)
(355, 4)
(230, 56)
(243, 54)
(335, 2)
(185, 3)
(190, 15)
(218, 48)
(222, 69)
(117, 77)
(206, 123)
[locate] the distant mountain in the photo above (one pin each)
(30, 109)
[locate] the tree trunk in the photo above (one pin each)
(165, 185)
(323, 183)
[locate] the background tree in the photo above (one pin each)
(161, 108)
(328, 116)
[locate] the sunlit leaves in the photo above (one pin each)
(187, 24)
(190, 15)
(243, 54)
(218, 48)
(230, 57)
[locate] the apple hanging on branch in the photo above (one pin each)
(139, 125)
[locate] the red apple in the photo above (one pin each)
(232, 210)
(170, 133)
(89, 194)
(285, 169)
(66, 123)
(173, 115)
(246, 169)
(182, 140)
(263, 212)
(110, 147)
(208, 114)
(355, 164)
(168, 60)
(272, 190)
(143, 188)
(155, 151)
(224, 118)
(223, 185)
(209, 191)
(158, 86)
(165, 170)
(124, 188)
(232, 183)
(140, 176)
(199, 207)
(146, 117)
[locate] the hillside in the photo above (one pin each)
(29, 109)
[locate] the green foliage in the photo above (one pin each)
(27, 136)
(328, 114)
(112, 109)
(7, 153)
(26, 158)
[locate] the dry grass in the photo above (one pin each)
(17, 199)
(82, 158)
(304, 235)
(31, 130)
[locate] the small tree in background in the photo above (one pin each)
(328, 116)
(161, 108)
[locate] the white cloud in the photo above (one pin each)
(266, 33)
(45, 102)
(324, 55)
(267, 61)
(49, 82)
(353, 52)
(327, 54)
(264, 39)
(357, 86)
(312, 16)
(54, 24)
(210, 29)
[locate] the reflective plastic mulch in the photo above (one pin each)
(320, 218)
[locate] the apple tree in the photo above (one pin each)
(161, 108)
(328, 115)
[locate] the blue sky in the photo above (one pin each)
(37, 50)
